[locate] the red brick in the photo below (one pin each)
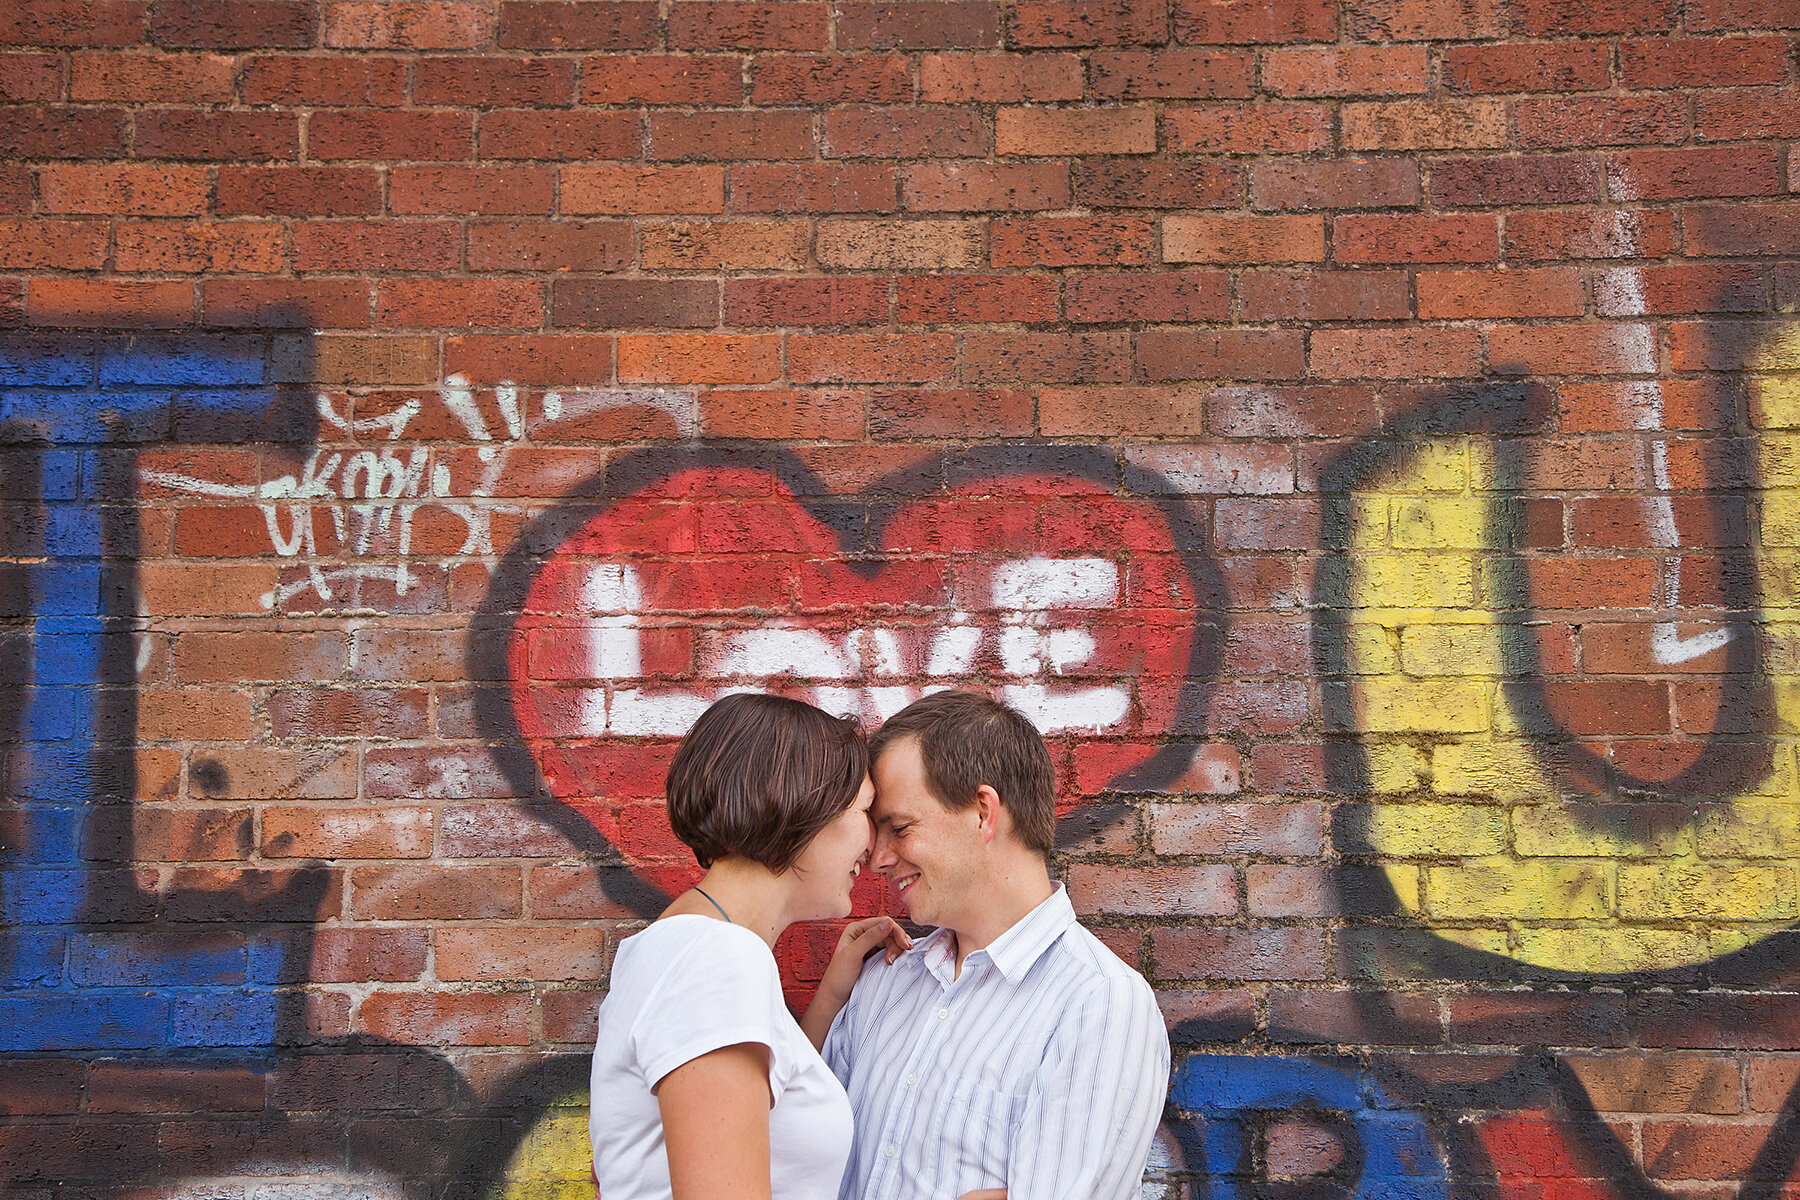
(1740, 14)
(450, 303)
(193, 247)
(815, 414)
(413, 893)
(549, 245)
(1072, 241)
(217, 135)
(1000, 78)
(1064, 23)
(1273, 952)
(1419, 125)
(871, 358)
(1377, 238)
(1174, 75)
(98, 302)
(503, 953)
(1695, 173)
(287, 303)
(1552, 18)
(1614, 407)
(346, 832)
(1703, 62)
(1740, 229)
(1551, 292)
(962, 413)
(1054, 132)
(1748, 115)
(1164, 891)
(899, 245)
(449, 1019)
(731, 25)
(699, 358)
(806, 302)
(15, 189)
(1588, 234)
(122, 189)
(559, 359)
(1236, 21)
(469, 191)
(151, 78)
(1530, 179)
(1528, 67)
(1048, 357)
(234, 24)
(985, 187)
(731, 135)
(1572, 349)
(1249, 129)
(1160, 296)
(576, 25)
(1326, 295)
(818, 79)
(1337, 183)
(299, 191)
(470, 80)
(571, 1017)
(1395, 353)
(815, 187)
(1600, 121)
(1233, 239)
(1147, 183)
(1121, 411)
(30, 77)
(1424, 20)
(661, 79)
(407, 24)
(375, 245)
(73, 23)
(953, 299)
(525, 133)
(728, 245)
(919, 25)
(1221, 354)
(1641, 291)
(39, 131)
(636, 303)
(35, 245)
(339, 82)
(904, 133)
(1345, 71)
(389, 135)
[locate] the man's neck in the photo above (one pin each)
(1012, 894)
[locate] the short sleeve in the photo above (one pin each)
(723, 989)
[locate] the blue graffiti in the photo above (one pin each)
(90, 957)
(1226, 1101)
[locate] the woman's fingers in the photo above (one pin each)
(985, 1194)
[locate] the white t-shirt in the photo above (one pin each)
(686, 986)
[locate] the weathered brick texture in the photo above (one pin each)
(1360, 432)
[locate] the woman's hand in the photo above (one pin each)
(859, 940)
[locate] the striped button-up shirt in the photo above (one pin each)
(1041, 1069)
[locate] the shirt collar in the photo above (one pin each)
(1014, 952)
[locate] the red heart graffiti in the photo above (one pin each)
(1069, 600)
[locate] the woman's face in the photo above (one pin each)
(827, 868)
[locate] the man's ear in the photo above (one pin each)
(992, 813)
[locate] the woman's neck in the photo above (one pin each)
(746, 893)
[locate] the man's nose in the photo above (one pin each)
(884, 851)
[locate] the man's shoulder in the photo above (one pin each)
(1105, 977)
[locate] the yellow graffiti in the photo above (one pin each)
(1483, 842)
(555, 1160)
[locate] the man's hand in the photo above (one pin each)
(859, 940)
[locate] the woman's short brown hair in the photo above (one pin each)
(758, 776)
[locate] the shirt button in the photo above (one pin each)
(911, 1079)
(942, 1013)
(889, 1152)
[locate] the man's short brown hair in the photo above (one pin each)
(758, 776)
(967, 739)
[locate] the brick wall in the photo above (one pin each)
(1362, 433)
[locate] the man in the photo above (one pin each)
(1010, 1048)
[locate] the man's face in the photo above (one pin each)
(932, 854)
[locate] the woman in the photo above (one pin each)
(703, 1085)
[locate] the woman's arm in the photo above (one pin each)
(715, 1116)
(857, 941)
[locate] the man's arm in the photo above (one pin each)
(1094, 1106)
